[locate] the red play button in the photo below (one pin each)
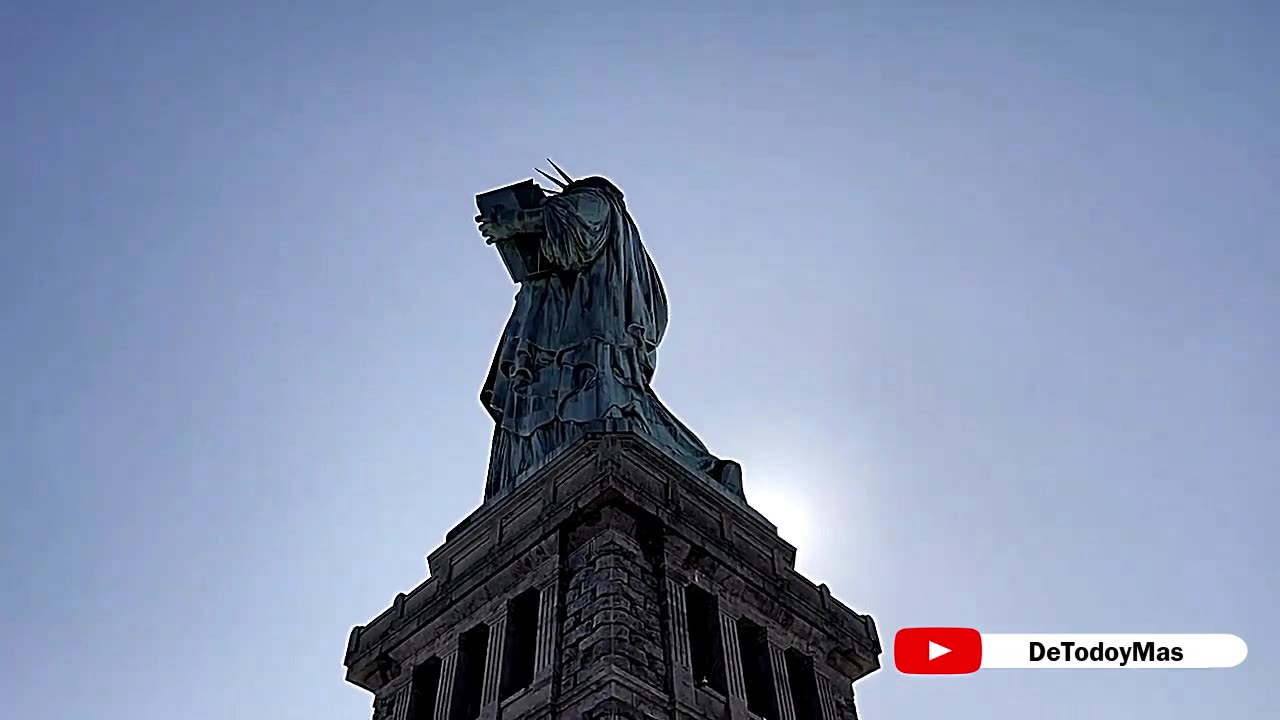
(937, 651)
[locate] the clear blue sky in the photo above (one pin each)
(984, 299)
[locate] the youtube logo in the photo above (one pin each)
(937, 651)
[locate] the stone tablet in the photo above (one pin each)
(522, 253)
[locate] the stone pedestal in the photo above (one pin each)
(614, 584)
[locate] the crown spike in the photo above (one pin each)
(563, 174)
(562, 185)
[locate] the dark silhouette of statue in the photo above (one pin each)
(580, 348)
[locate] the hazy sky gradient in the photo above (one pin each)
(985, 300)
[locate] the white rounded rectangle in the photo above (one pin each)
(1086, 651)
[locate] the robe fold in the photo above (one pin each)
(581, 345)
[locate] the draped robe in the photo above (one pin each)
(581, 345)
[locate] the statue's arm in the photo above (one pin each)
(577, 226)
(588, 209)
(529, 221)
(510, 223)
(574, 227)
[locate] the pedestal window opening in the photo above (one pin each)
(423, 689)
(706, 651)
(468, 684)
(804, 685)
(520, 645)
(757, 669)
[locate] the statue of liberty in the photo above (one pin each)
(580, 348)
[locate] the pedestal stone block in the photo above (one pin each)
(614, 584)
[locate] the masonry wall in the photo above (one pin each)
(613, 546)
(613, 600)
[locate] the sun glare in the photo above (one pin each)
(788, 508)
